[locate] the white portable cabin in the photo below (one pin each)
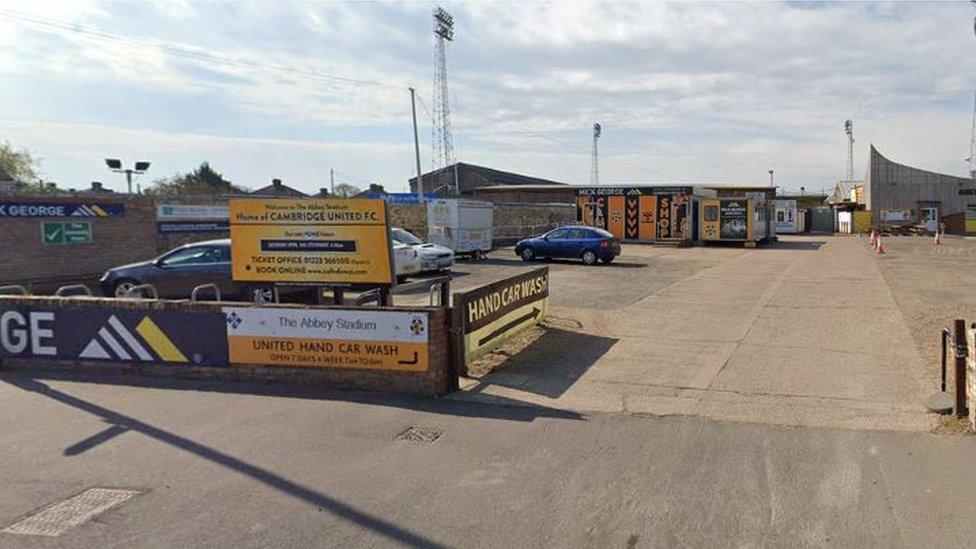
(462, 225)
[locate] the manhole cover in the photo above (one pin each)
(419, 434)
(58, 518)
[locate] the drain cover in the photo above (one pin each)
(56, 519)
(419, 434)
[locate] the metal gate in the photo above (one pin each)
(821, 220)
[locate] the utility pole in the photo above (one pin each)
(849, 130)
(594, 157)
(416, 146)
(770, 178)
(332, 181)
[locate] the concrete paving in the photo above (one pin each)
(802, 332)
(247, 465)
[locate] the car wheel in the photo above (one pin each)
(123, 286)
(527, 254)
(262, 295)
(401, 279)
(589, 257)
(608, 259)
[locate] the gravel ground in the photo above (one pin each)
(933, 285)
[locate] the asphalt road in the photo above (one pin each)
(251, 466)
(612, 430)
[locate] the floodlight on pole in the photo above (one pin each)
(139, 168)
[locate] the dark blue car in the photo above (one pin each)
(587, 243)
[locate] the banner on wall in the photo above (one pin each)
(167, 227)
(326, 241)
(113, 335)
(330, 338)
(732, 216)
(495, 312)
(192, 211)
(784, 216)
(55, 209)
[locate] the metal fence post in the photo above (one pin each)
(457, 332)
(961, 351)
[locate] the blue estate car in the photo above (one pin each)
(587, 243)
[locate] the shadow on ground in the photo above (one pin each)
(120, 423)
(431, 405)
(574, 262)
(551, 364)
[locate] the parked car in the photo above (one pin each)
(175, 273)
(406, 261)
(587, 243)
(432, 256)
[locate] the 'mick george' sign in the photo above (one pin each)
(493, 313)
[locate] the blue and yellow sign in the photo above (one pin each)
(58, 209)
(113, 335)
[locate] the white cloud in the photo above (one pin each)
(696, 91)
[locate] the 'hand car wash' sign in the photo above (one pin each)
(494, 312)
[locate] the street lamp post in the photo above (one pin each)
(770, 178)
(139, 168)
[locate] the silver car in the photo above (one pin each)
(432, 256)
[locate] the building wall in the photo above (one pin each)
(115, 241)
(893, 186)
(515, 195)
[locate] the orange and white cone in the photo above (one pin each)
(879, 247)
(938, 237)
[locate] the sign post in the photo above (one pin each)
(494, 312)
(341, 243)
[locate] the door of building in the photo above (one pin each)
(930, 217)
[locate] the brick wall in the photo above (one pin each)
(115, 241)
(134, 236)
(439, 378)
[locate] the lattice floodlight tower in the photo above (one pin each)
(442, 147)
(594, 160)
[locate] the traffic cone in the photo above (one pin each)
(938, 238)
(879, 248)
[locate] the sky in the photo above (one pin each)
(686, 92)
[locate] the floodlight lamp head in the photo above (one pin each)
(848, 127)
(142, 166)
(597, 129)
(113, 163)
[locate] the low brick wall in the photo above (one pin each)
(55, 325)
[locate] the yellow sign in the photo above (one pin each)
(328, 338)
(331, 241)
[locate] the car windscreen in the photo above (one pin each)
(405, 237)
